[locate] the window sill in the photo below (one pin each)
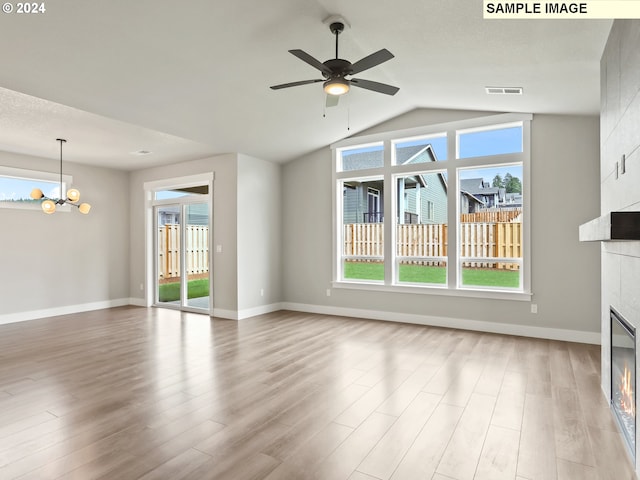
(442, 291)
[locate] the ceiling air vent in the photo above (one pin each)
(503, 90)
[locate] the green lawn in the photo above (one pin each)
(170, 292)
(485, 277)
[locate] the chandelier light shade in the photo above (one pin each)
(73, 196)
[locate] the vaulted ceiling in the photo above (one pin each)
(189, 79)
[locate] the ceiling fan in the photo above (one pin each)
(336, 70)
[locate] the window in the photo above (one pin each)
(496, 140)
(456, 199)
(490, 228)
(16, 185)
(424, 149)
(362, 157)
(363, 229)
(430, 210)
(421, 235)
(181, 192)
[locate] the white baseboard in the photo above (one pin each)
(462, 324)
(66, 310)
(228, 314)
(138, 302)
(247, 312)
(261, 310)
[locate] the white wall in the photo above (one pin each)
(246, 223)
(620, 118)
(65, 262)
(565, 273)
(224, 225)
(259, 235)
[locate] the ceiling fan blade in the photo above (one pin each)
(372, 60)
(305, 57)
(375, 86)
(295, 84)
(332, 101)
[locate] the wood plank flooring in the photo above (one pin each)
(136, 393)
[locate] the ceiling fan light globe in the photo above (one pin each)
(337, 86)
(84, 208)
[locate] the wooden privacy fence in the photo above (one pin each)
(492, 216)
(486, 240)
(196, 254)
(478, 240)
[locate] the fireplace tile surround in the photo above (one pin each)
(619, 135)
(620, 281)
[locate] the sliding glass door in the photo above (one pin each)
(196, 253)
(182, 240)
(169, 271)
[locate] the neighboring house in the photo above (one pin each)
(470, 203)
(477, 195)
(166, 217)
(512, 200)
(421, 198)
(363, 202)
(197, 214)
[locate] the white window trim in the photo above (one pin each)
(451, 166)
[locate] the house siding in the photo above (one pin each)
(434, 192)
(356, 203)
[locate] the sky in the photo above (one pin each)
(474, 144)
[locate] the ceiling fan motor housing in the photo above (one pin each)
(338, 67)
(336, 28)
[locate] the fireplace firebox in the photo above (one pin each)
(623, 377)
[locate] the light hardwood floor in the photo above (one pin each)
(131, 393)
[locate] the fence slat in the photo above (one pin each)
(196, 254)
(479, 240)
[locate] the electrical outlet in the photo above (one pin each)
(141, 286)
(534, 308)
(328, 292)
(218, 248)
(262, 292)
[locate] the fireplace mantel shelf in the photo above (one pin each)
(611, 227)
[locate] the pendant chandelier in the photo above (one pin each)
(73, 195)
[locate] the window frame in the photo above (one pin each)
(35, 176)
(389, 171)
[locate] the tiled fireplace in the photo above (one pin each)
(619, 192)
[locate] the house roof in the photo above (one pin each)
(364, 160)
(375, 158)
(415, 154)
(476, 186)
